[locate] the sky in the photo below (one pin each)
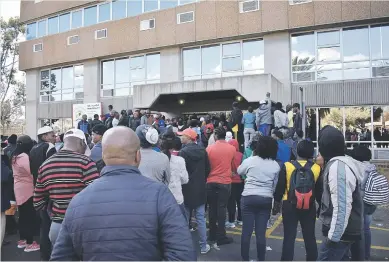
(9, 8)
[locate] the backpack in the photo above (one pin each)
(302, 186)
(376, 189)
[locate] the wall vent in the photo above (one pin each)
(248, 6)
(74, 39)
(147, 24)
(186, 17)
(100, 34)
(38, 47)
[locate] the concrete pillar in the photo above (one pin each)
(170, 65)
(32, 101)
(277, 60)
(91, 81)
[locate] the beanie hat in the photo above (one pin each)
(147, 135)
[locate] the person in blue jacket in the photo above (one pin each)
(84, 125)
(123, 215)
(284, 151)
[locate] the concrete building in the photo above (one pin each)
(155, 53)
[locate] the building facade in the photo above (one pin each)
(182, 56)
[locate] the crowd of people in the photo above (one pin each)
(131, 191)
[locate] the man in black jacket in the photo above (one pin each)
(38, 154)
(197, 165)
(96, 121)
(236, 119)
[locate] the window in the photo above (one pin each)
(210, 60)
(76, 19)
(38, 47)
(192, 63)
(90, 16)
(147, 24)
(53, 25)
(134, 7)
(73, 39)
(118, 76)
(104, 12)
(42, 28)
(118, 9)
(31, 31)
(296, 2)
(59, 84)
(184, 2)
(150, 5)
(303, 57)
(100, 34)
(253, 57)
(187, 17)
(231, 57)
(164, 4)
(64, 22)
(379, 40)
(248, 6)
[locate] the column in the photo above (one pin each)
(32, 101)
(91, 81)
(170, 65)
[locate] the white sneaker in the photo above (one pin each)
(240, 223)
(230, 225)
(206, 250)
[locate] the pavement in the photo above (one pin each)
(231, 252)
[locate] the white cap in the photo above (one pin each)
(79, 134)
(45, 130)
(228, 136)
(152, 136)
(202, 119)
(262, 102)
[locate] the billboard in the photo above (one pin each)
(89, 109)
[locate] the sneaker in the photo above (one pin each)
(269, 224)
(230, 225)
(225, 241)
(193, 229)
(206, 249)
(22, 243)
(33, 247)
(240, 223)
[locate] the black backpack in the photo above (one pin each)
(302, 186)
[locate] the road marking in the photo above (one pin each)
(380, 228)
(274, 226)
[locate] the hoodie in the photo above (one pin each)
(263, 114)
(197, 165)
(341, 206)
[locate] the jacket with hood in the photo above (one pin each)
(263, 114)
(38, 154)
(197, 165)
(341, 204)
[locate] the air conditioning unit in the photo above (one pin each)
(248, 6)
(185, 17)
(38, 47)
(147, 24)
(100, 34)
(74, 39)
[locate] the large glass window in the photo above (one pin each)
(164, 4)
(53, 25)
(42, 28)
(231, 57)
(210, 61)
(303, 57)
(104, 12)
(64, 22)
(118, 9)
(61, 84)
(134, 7)
(90, 16)
(118, 76)
(31, 31)
(76, 19)
(192, 63)
(150, 5)
(253, 57)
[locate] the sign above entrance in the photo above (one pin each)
(89, 109)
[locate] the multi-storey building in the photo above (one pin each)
(183, 56)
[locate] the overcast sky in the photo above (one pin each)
(9, 8)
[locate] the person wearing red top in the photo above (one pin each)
(222, 162)
(236, 189)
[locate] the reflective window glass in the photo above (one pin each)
(107, 74)
(137, 68)
(42, 28)
(328, 38)
(67, 77)
(210, 60)
(356, 44)
(31, 31)
(153, 66)
(104, 12)
(79, 70)
(64, 22)
(77, 19)
(118, 9)
(151, 5)
(329, 75)
(232, 64)
(192, 62)
(358, 73)
(134, 7)
(45, 75)
(122, 70)
(303, 49)
(90, 16)
(325, 54)
(53, 25)
(55, 79)
(231, 49)
(164, 4)
(379, 40)
(253, 55)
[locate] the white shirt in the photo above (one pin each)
(115, 122)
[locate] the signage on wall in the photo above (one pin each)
(89, 109)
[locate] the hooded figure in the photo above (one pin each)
(341, 206)
(263, 118)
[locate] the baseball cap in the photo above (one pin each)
(262, 102)
(79, 134)
(45, 130)
(147, 135)
(99, 129)
(189, 132)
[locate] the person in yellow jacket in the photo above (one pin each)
(298, 185)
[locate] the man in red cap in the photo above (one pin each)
(197, 165)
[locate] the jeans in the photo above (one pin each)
(54, 232)
(367, 233)
(291, 216)
(264, 129)
(217, 195)
(45, 244)
(248, 135)
(27, 221)
(360, 249)
(234, 201)
(201, 226)
(255, 210)
(334, 251)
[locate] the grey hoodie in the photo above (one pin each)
(263, 114)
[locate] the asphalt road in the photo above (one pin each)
(231, 252)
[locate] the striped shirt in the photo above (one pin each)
(60, 178)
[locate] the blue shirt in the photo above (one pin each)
(248, 120)
(283, 153)
(96, 152)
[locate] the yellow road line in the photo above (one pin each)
(274, 226)
(380, 228)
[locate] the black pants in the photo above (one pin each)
(291, 216)
(234, 201)
(45, 243)
(27, 220)
(217, 195)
